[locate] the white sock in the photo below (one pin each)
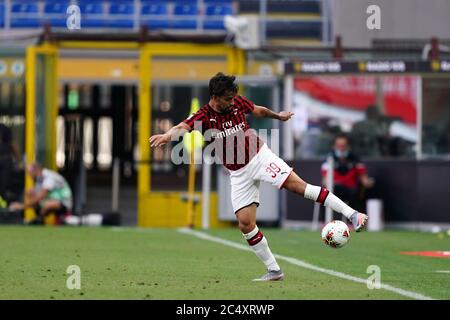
(258, 243)
(328, 199)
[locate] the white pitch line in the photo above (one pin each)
(443, 271)
(304, 264)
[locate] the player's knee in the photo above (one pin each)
(297, 186)
(246, 226)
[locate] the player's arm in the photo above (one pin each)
(263, 112)
(32, 199)
(366, 181)
(363, 177)
(159, 140)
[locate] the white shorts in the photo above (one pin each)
(265, 166)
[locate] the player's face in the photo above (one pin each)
(225, 102)
(341, 145)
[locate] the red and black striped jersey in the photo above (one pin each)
(235, 143)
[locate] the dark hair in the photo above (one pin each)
(221, 84)
(341, 135)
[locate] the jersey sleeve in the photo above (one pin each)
(194, 119)
(48, 183)
(244, 104)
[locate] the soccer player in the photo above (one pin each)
(249, 161)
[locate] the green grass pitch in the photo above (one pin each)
(128, 263)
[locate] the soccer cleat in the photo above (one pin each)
(272, 275)
(358, 220)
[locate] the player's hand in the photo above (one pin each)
(369, 182)
(285, 115)
(158, 140)
(15, 206)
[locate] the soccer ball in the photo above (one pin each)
(335, 234)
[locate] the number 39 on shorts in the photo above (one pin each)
(273, 169)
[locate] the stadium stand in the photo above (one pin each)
(215, 13)
(186, 16)
(121, 14)
(55, 13)
(91, 15)
(274, 6)
(154, 15)
(2, 14)
(291, 21)
(24, 15)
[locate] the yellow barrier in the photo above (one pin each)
(167, 209)
(146, 199)
(167, 204)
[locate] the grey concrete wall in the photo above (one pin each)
(410, 19)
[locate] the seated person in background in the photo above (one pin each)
(51, 193)
(349, 173)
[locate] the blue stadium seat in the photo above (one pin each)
(156, 8)
(185, 16)
(121, 14)
(215, 15)
(185, 9)
(56, 13)
(217, 2)
(56, 7)
(2, 15)
(24, 15)
(218, 10)
(182, 2)
(154, 15)
(92, 15)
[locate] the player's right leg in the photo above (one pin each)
(320, 194)
(256, 240)
(50, 206)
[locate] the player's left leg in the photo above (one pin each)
(277, 172)
(320, 194)
(256, 240)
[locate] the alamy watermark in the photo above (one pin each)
(74, 280)
(374, 280)
(73, 20)
(374, 19)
